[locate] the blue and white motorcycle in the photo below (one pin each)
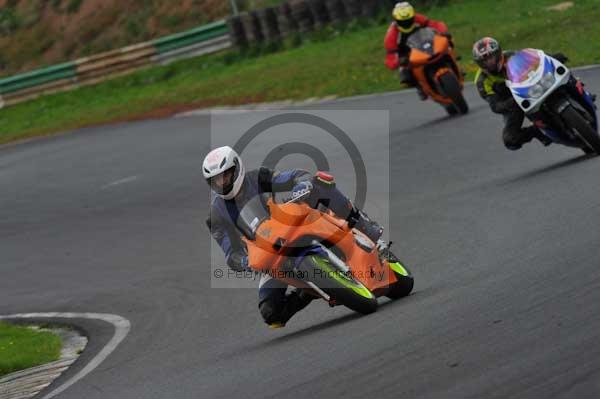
(553, 99)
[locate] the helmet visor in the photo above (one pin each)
(405, 24)
(222, 183)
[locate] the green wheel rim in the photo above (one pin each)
(343, 279)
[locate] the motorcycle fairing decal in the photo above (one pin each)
(521, 91)
(548, 66)
(340, 277)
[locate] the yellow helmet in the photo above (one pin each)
(404, 15)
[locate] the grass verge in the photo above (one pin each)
(22, 347)
(340, 62)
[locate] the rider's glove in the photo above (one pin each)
(244, 263)
(238, 261)
(302, 189)
(403, 61)
(499, 87)
(448, 35)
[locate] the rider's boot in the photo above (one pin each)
(422, 95)
(407, 77)
(545, 140)
(295, 301)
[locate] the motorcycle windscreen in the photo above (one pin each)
(252, 214)
(422, 40)
(521, 66)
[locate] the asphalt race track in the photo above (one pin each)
(504, 247)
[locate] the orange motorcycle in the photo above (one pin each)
(432, 60)
(314, 250)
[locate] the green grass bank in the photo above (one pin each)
(22, 347)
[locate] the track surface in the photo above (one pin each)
(504, 247)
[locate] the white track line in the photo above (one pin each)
(120, 181)
(586, 67)
(122, 327)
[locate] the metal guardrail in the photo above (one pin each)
(90, 70)
(38, 77)
(190, 37)
(194, 50)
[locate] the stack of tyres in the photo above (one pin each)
(251, 27)
(353, 8)
(389, 4)
(268, 24)
(319, 13)
(336, 11)
(236, 31)
(286, 24)
(302, 15)
(370, 8)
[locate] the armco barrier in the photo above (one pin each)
(190, 37)
(194, 50)
(38, 77)
(108, 63)
(90, 70)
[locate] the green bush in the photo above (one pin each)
(55, 4)
(171, 21)
(9, 20)
(73, 6)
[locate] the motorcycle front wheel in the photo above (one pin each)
(404, 286)
(575, 121)
(451, 87)
(342, 288)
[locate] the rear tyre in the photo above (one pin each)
(404, 286)
(343, 289)
(451, 87)
(584, 129)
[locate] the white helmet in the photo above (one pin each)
(224, 172)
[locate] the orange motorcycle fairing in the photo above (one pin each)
(419, 60)
(292, 226)
(441, 44)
